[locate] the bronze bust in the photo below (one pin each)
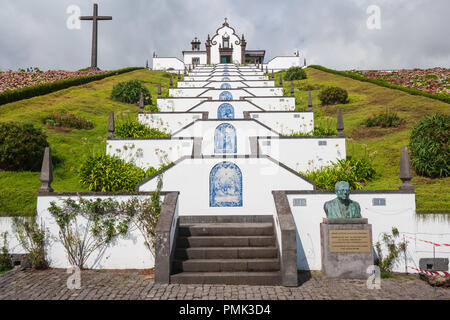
(342, 207)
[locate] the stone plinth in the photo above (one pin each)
(346, 248)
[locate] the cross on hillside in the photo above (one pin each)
(95, 18)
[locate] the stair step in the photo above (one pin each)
(225, 241)
(236, 278)
(229, 265)
(226, 229)
(226, 253)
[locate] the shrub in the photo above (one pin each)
(135, 129)
(354, 171)
(21, 147)
(68, 121)
(32, 238)
(5, 258)
(295, 73)
(384, 119)
(333, 95)
(105, 173)
(430, 146)
(130, 92)
(41, 89)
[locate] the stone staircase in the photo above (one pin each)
(244, 253)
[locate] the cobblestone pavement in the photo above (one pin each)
(130, 285)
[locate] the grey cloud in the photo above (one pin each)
(332, 33)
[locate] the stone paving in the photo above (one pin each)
(131, 285)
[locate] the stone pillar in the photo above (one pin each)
(141, 103)
(273, 75)
(292, 88)
(310, 104)
(46, 172)
(171, 82)
(243, 48)
(208, 50)
(347, 249)
(159, 90)
(405, 171)
(281, 80)
(340, 124)
(111, 125)
(179, 76)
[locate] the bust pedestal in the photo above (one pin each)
(346, 248)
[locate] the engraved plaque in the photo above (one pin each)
(349, 240)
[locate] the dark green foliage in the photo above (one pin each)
(333, 95)
(383, 83)
(67, 120)
(384, 119)
(134, 129)
(130, 92)
(21, 146)
(45, 88)
(430, 146)
(353, 170)
(105, 173)
(295, 73)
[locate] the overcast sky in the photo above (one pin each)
(333, 33)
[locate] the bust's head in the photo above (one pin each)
(342, 189)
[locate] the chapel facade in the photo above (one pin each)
(225, 46)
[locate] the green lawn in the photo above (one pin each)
(18, 189)
(433, 195)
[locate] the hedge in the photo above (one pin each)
(45, 88)
(436, 96)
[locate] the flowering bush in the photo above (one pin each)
(12, 80)
(436, 80)
(67, 120)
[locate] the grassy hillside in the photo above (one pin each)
(433, 195)
(18, 190)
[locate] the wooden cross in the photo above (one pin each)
(95, 18)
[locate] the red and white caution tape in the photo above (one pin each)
(429, 242)
(431, 273)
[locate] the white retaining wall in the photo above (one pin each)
(149, 152)
(303, 153)
(274, 103)
(168, 63)
(126, 252)
(239, 107)
(259, 178)
(399, 212)
(177, 105)
(285, 122)
(168, 122)
(283, 63)
(244, 130)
